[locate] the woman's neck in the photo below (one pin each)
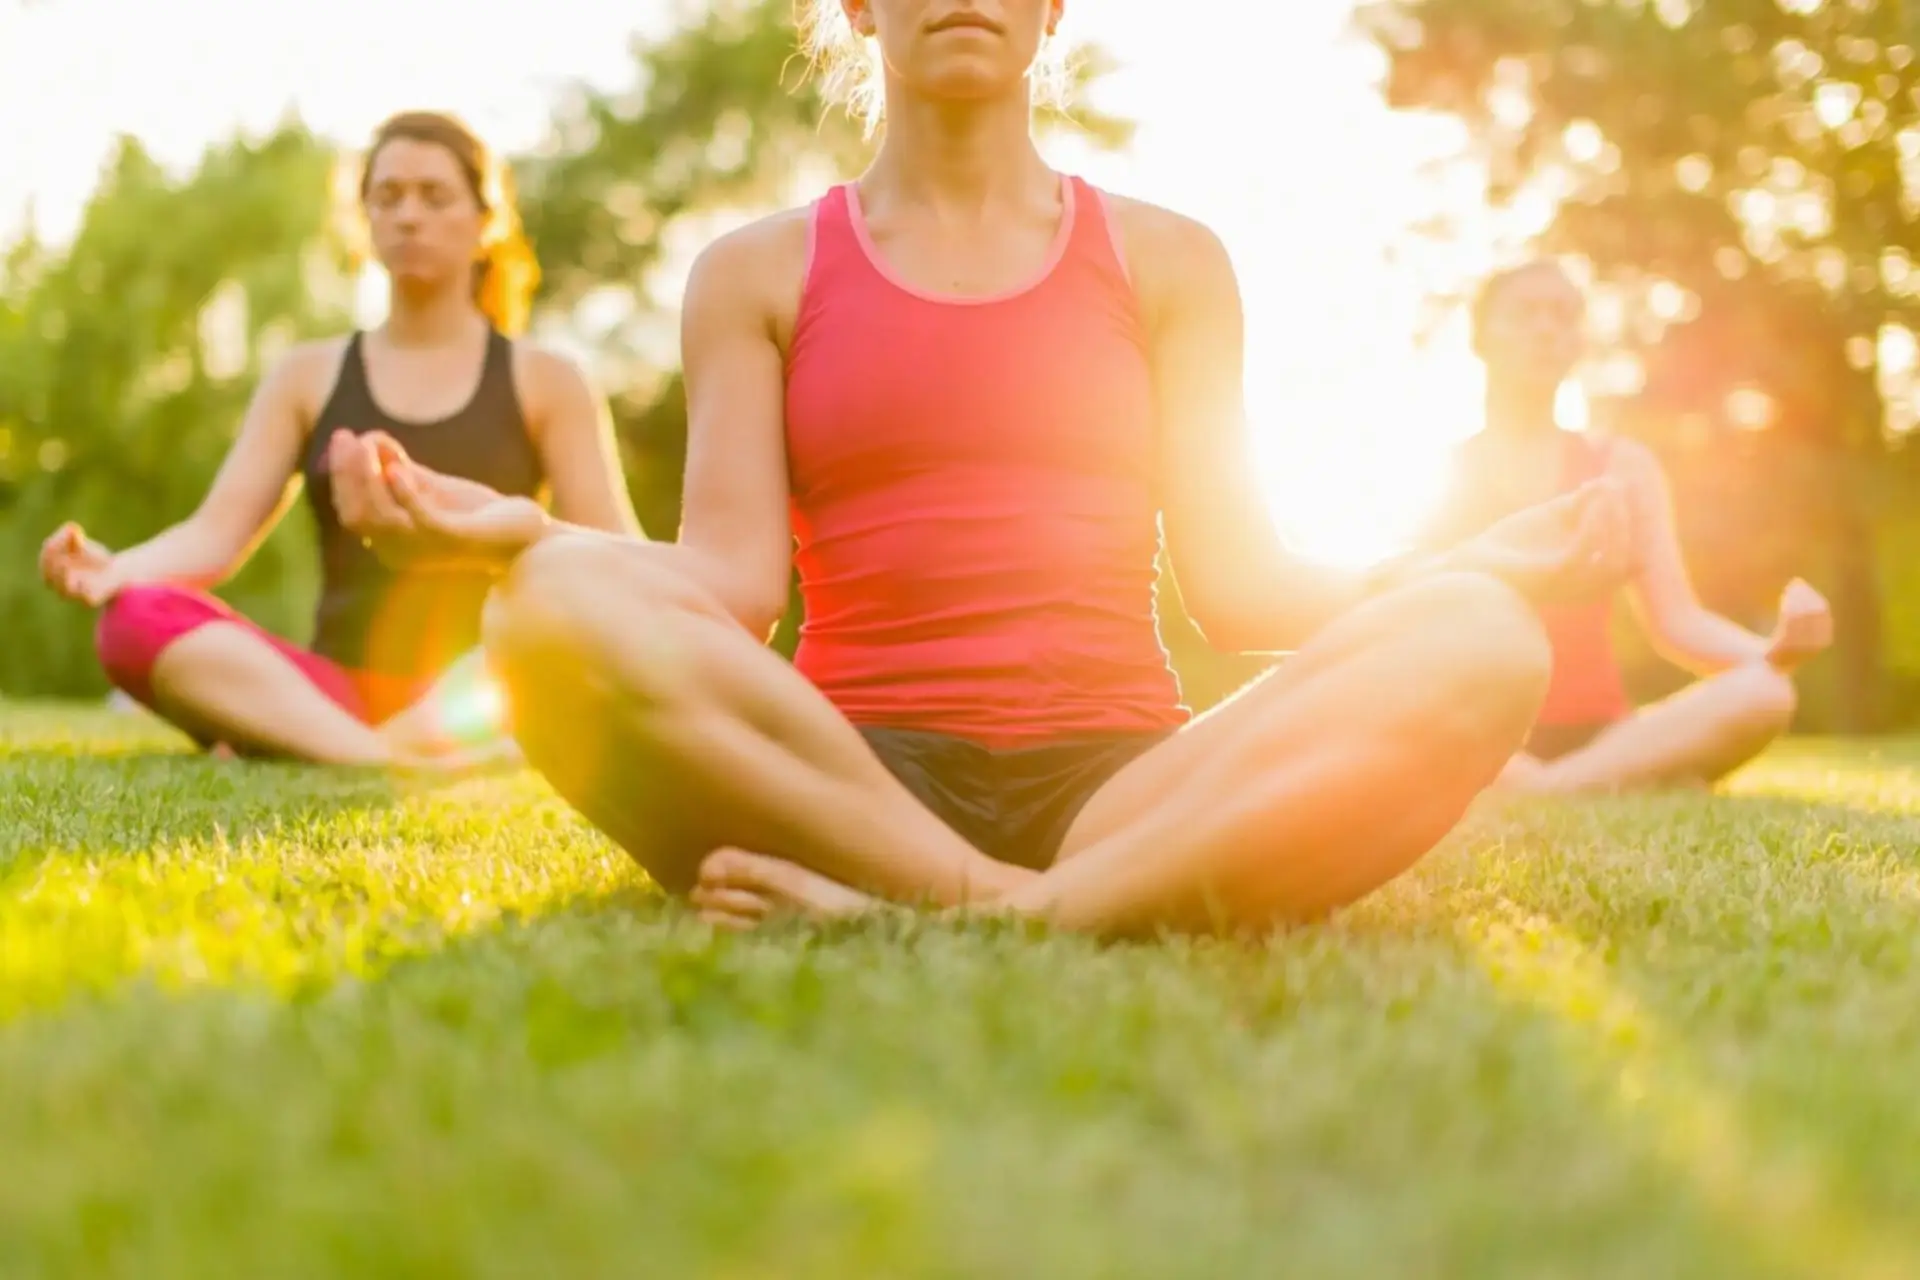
(958, 158)
(1516, 411)
(438, 319)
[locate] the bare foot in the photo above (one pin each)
(741, 890)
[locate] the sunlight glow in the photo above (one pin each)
(475, 710)
(1790, 1206)
(1351, 416)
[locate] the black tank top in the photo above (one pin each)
(412, 623)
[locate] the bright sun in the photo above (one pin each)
(1351, 459)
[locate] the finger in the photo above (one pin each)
(419, 505)
(349, 493)
(407, 492)
(382, 509)
(386, 450)
(342, 458)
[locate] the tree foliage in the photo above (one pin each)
(127, 356)
(1740, 175)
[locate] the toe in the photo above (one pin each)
(727, 900)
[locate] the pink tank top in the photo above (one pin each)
(973, 493)
(1588, 686)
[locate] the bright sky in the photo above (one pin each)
(1289, 156)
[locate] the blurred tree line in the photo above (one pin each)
(127, 355)
(1742, 179)
(1739, 174)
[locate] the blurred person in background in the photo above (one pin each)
(1529, 330)
(392, 675)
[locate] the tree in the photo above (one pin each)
(1741, 177)
(722, 116)
(127, 358)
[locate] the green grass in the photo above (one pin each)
(257, 1020)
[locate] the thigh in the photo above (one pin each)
(1695, 736)
(1136, 787)
(142, 624)
(1238, 726)
(676, 733)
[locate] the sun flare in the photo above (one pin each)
(1352, 461)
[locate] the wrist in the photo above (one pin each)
(117, 573)
(535, 528)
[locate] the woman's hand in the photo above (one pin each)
(78, 567)
(411, 515)
(1572, 548)
(1804, 629)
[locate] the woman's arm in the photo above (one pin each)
(574, 433)
(1244, 588)
(735, 538)
(1241, 584)
(249, 493)
(1680, 628)
(734, 524)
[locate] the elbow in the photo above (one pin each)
(756, 602)
(759, 613)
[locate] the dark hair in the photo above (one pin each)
(503, 280)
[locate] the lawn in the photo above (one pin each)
(263, 1021)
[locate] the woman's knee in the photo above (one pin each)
(138, 624)
(1768, 700)
(574, 603)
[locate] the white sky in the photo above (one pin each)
(1286, 151)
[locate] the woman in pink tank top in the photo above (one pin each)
(963, 397)
(1528, 330)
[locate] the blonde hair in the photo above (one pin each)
(853, 74)
(505, 278)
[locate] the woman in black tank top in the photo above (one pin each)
(392, 674)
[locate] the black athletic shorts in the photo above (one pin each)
(1014, 805)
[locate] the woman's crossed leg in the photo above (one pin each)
(729, 777)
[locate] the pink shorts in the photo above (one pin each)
(140, 622)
